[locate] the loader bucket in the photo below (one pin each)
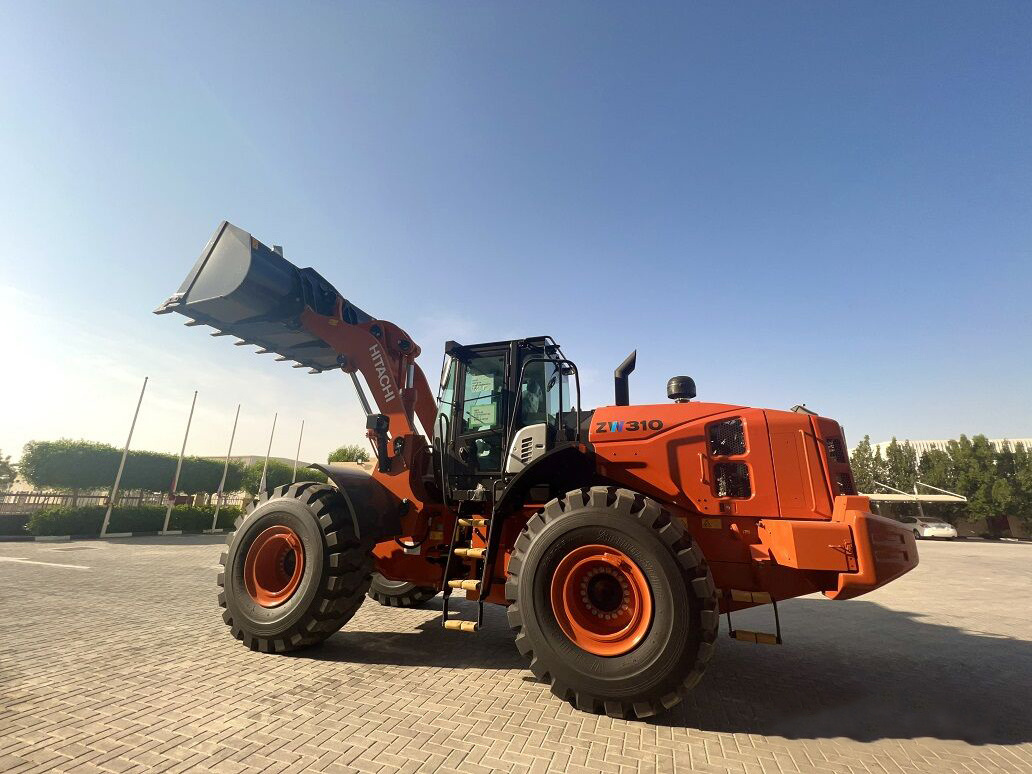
(242, 288)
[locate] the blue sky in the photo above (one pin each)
(826, 203)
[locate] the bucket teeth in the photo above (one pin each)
(471, 553)
(461, 626)
(472, 522)
(465, 585)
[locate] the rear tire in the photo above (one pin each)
(295, 570)
(391, 593)
(582, 652)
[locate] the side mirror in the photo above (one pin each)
(680, 389)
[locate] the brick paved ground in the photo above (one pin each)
(126, 666)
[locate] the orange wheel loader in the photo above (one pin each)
(616, 537)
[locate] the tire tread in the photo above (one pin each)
(349, 566)
(698, 582)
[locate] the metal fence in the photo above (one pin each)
(27, 503)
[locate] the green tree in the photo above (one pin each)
(974, 462)
(1022, 481)
(8, 472)
(349, 453)
(278, 474)
(68, 464)
(936, 468)
(900, 465)
(879, 471)
(78, 465)
(862, 463)
(996, 482)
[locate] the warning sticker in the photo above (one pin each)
(480, 384)
(484, 415)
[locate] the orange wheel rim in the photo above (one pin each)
(273, 566)
(601, 600)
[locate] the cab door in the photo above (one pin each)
(481, 413)
(472, 415)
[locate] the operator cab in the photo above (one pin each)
(502, 405)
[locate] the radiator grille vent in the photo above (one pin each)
(836, 452)
(732, 479)
(727, 438)
(526, 450)
(845, 484)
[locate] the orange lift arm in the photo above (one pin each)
(246, 289)
(386, 357)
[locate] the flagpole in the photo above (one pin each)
(121, 466)
(179, 468)
(297, 456)
(225, 470)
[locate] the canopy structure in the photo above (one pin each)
(899, 496)
(909, 498)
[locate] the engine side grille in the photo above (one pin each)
(836, 451)
(732, 479)
(845, 484)
(526, 450)
(727, 438)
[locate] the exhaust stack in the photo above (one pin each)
(622, 381)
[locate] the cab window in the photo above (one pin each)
(540, 394)
(533, 405)
(482, 394)
(558, 387)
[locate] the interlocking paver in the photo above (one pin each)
(127, 667)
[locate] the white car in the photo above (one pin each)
(929, 528)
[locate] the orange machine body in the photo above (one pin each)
(776, 514)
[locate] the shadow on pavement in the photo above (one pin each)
(429, 644)
(855, 670)
(171, 541)
(864, 672)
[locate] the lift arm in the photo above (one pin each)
(242, 288)
(386, 357)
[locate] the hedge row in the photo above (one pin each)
(13, 524)
(87, 520)
(278, 474)
(86, 465)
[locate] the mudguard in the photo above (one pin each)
(375, 511)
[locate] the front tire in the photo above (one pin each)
(612, 602)
(295, 570)
(391, 593)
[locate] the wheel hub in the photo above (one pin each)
(273, 566)
(601, 600)
(604, 592)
